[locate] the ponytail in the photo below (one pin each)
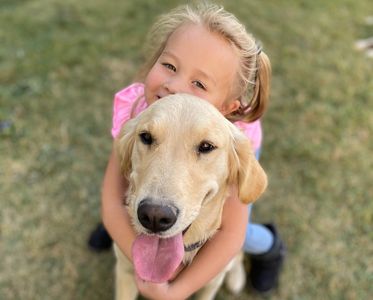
(259, 100)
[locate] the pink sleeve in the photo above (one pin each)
(253, 131)
(122, 107)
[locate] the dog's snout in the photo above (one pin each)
(156, 217)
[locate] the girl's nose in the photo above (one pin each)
(175, 85)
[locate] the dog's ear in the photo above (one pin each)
(246, 172)
(124, 146)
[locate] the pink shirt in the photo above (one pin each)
(124, 100)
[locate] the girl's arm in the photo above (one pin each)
(114, 213)
(210, 260)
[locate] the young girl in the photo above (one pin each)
(203, 51)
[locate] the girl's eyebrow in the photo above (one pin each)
(204, 75)
(167, 53)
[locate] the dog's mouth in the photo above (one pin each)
(155, 259)
(186, 229)
(156, 255)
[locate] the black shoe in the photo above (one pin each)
(100, 239)
(266, 267)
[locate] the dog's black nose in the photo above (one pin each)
(156, 217)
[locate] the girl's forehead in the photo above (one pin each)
(194, 33)
(210, 51)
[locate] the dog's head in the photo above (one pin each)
(179, 156)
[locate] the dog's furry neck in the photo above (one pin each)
(202, 229)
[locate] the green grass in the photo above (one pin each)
(62, 61)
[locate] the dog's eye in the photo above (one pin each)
(205, 147)
(146, 138)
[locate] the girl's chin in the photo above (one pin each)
(151, 100)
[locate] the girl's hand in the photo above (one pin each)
(156, 291)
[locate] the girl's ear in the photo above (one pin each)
(124, 146)
(230, 107)
(246, 171)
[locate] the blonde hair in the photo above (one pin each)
(252, 86)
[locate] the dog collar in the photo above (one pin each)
(194, 246)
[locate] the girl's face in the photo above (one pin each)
(198, 62)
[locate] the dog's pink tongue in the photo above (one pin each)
(157, 259)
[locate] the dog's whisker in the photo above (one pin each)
(125, 200)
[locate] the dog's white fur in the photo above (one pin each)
(173, 170)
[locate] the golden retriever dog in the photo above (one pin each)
(180, 157)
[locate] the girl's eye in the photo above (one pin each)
(199, 84)
(169, 66)
(205, 147)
